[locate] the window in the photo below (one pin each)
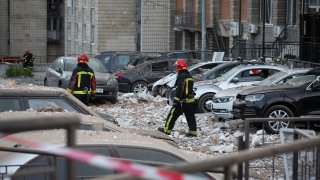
(314, 3)
(255, 74)
(161, 66)
(9, 104)
(122, 60)
(291, 12)
(268, 11)
(54, 103)
(147, 155)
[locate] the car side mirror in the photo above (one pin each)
(235, 80)
(59, 70)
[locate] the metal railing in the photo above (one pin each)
(41, 122)
(261, 121)
(223, 164)
(186, 20)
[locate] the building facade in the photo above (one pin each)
(67, 27)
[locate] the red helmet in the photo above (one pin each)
(180, 64)
(83, 58)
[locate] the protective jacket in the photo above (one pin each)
(83, 80)
(184, 87)
(28, 60)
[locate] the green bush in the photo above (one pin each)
(16, 72)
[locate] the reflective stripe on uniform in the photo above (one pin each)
(175, 98)
(81, 92)
(193, 132)
(166, 126)
(187, 85)
(191, 100)
(83, 73)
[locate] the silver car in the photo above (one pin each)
(59, 72)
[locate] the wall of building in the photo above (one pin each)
(116, 25)
(4, 27)
(155, 26)
(28, 27)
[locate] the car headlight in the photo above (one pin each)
(111, 82)
(254, 97)
(223, 99)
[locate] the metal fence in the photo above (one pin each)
(274, 165)
(308, 169)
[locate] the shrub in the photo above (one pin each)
(18, 71)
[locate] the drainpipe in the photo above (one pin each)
(203, 30)
(8, 49)
(263, 29)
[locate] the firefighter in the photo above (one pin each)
(82, 83)
(183, 101)
(28, 59)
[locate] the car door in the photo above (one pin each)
(309, 100)
(248, 77)
(158, 71)
(55, 72)
(11, 104)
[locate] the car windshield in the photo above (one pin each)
(298, 81)
(93, 63)
(226, 76)
(271, 79)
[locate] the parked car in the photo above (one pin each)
(187, 55)
(297, 97)
(47, 99)
(241, 75)
(59, 72)
(225, 67)
(22, 98)
(222, 102)
(19, 164)
(116, 60)
(164, 85)
(136, 79)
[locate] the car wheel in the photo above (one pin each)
(60, 84)
(45, 82)
(139, 87)
(277, 111)
(155, 91)
(202, 103)
(113, 100)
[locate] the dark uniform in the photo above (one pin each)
(28, 59)
(184, 102)
(82, 83)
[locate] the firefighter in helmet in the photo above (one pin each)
(183, 101)
(28, 59)
(82, 83)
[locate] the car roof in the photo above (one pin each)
(90, 138)
(10, 89)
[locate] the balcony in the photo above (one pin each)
(186, 20)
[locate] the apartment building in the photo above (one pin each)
(67, 27)
(31, 24)
(93, 26)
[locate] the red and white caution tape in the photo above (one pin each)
(135, 169)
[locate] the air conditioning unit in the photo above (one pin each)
(253, 29)
(234, 29)
(277, 30)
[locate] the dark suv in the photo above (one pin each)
(115, 60)
(297, 97)
(137, 78)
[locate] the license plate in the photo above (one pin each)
(99, 90)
